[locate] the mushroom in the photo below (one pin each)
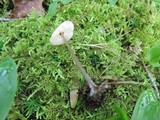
(62, 35)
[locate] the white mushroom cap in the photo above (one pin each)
(66, 28)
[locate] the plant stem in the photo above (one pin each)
(106, 83)
(9, 19)
(91, 84)
(125, 82)
(151, 79)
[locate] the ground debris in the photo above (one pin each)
(23, 7)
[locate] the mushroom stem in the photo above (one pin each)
(91, 84)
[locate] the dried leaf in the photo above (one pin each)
(23, 7)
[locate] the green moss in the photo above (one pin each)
(45, 71)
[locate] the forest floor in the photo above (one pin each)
(106, 39)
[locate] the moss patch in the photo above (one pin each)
(45, 71)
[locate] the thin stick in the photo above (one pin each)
(151, 79)
(106, 83)
(103, 45)
(9, 19)
(125, 82)
(91, 84)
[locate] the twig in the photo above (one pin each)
(125, 82)
(106, 84)
(6, 19)
(94, 45)
(150, 76)
(103, 45)
(9, 19)
(151, 79)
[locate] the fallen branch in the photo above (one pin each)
(9, 19)
(125, 82)
(6, 19)
(150, 76)
(109, 82)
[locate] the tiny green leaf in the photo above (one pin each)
(1, 45)
(52, 9)
(8, 85)
(112, 2)
(154, 55)
(122, 115)
(64, 2)
(145, 103)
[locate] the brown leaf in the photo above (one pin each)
(23, 7)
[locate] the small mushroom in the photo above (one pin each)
(62, 35)
(66, 28)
